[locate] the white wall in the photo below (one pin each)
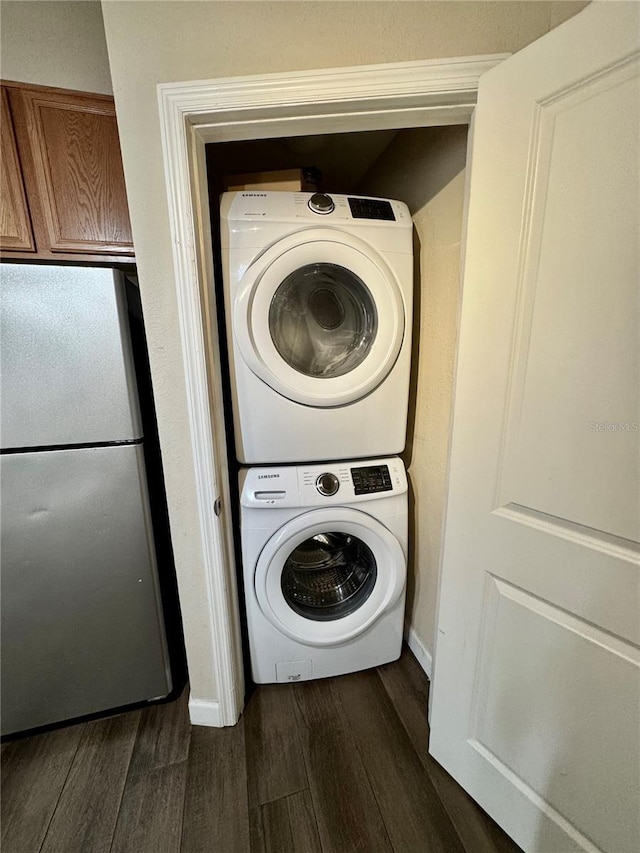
(425, 167)
(54, 43)
(151, 42)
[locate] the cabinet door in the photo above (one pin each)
(73, 166)
(15, 224)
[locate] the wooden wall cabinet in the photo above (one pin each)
(63, 191)
(15, 223)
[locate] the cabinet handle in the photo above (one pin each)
(217, 506)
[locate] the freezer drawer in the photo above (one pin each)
(67, 374)
(82, 628)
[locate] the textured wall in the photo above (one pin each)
(54, 43)
(426, 169)
(151, 42)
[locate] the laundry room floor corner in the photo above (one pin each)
(341, 764)
(337, 764)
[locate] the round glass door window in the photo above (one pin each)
(328, 576)
(323, 320)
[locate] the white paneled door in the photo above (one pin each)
(536, 695)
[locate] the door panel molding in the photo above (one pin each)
(598, 540)
(503, 722)
(581, 842)
(540, 161)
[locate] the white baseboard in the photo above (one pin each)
(420, 651)
(203, 713)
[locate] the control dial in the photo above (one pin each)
(327, 484)
(321, 203)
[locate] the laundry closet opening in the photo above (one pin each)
(425, 168)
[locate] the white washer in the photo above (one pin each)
(324, 551)
(318, 301)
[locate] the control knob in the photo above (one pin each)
(321, 203)
(327, 484)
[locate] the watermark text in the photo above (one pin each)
(617, 426)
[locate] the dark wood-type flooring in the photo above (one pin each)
(336, 765)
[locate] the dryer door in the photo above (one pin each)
(320, 318)
(328, 575)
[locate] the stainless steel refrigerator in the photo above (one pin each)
(82, 625)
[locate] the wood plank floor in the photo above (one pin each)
(329, 766)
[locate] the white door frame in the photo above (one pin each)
(372, 97)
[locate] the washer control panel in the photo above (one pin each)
(371, 478)
(323, 484)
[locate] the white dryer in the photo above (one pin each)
(324, 552)
(318, 302)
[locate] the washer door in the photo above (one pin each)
(327, 575)
(319, 317)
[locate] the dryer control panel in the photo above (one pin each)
(371, 208)
(322, 484)
(259, 208)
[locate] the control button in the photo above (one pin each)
(321, 203)
(327, 484)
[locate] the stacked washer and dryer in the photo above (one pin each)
(318, 302)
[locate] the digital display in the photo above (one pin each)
(371, 208)
(374, 478)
